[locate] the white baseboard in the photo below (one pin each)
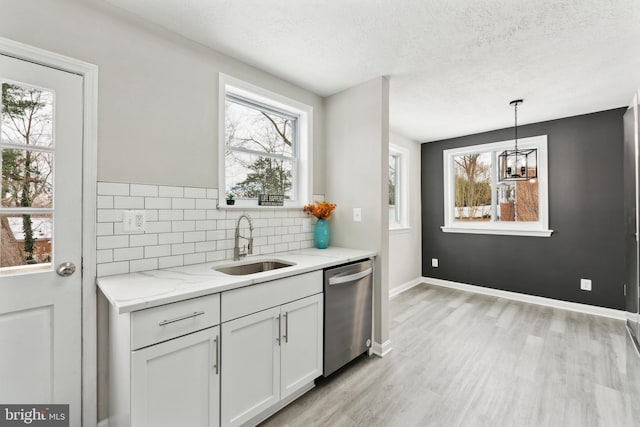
(394, 292)
(549, 302)
(103, 423)
(381, 350)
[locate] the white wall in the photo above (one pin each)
(157, 119)
(405, 245)
(357, 163)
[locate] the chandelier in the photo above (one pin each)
(517, 165)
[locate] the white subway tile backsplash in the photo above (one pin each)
(168, 191)
(171, 261)
(183, 248)
(170, 238)
(159, 227)
(206, 246)
(104, 229)
(157, 251)
(128, 202)
(112, 242)
(183, 227)
(195, 193)
(194, 214)
(112, 268)
(179, 203)
(143, 265)
(126, 254)
(197, 258)
(195, 236)
(113, 189)
(143, 240)
(143, 190)
(206, 204)
(104, 202)
(170, 214)
(157, 203)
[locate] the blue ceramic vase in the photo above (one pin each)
(321, 234)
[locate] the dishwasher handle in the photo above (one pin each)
(337, 280)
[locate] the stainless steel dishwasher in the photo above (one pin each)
(348, 293)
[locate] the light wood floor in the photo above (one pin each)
(463, 359)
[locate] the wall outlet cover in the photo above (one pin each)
(357, 214)
(306, 225)
(585, 284)
(134, 220)
(434, 262)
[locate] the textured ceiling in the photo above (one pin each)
(454, 65)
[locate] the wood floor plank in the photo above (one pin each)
(464, 359)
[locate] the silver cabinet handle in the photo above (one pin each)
(286, 327)
(279, 330)
(217, 365)
(177, 319)
(337, 280)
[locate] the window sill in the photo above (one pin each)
(241, 207)
(498, 231)
(399, 229)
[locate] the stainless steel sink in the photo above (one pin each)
(252, 267)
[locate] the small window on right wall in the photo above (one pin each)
(475, 201)
(398, 188)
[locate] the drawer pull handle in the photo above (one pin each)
(177, 319)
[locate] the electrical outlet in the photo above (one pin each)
(585, 284)
(134, 220)
(357, 215)
(434, 262)
(306, 225)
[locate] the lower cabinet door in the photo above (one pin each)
(251, 365)
(301, 343)
(176, 383)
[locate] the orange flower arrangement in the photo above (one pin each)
(321, 210)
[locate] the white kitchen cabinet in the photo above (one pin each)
(251, 364)
(301, 353)
(272, 355)
(176, 383)
(164, 365)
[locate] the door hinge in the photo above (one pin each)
(81, 266)
(625, 289)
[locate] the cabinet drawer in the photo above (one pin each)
(251, 299)
(173, 320)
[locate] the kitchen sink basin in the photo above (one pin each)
(252, 267)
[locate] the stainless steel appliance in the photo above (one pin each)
(348, 293)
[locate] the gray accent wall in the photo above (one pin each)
(585, 212)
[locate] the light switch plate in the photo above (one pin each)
(134, 220)
(357, 215)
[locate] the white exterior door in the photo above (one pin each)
(301, 343)
(250, 366)
(41, 228)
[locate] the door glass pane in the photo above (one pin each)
(27, 115)
(473, 187)
(25, 241)
(27, 180)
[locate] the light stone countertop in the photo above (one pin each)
(136, 291)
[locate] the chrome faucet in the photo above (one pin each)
(248, 249)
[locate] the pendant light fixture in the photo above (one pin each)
(517, 165)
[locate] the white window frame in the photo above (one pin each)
(302, 175)
(402, 189)
(538, 228)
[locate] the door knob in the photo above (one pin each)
(66, 269)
